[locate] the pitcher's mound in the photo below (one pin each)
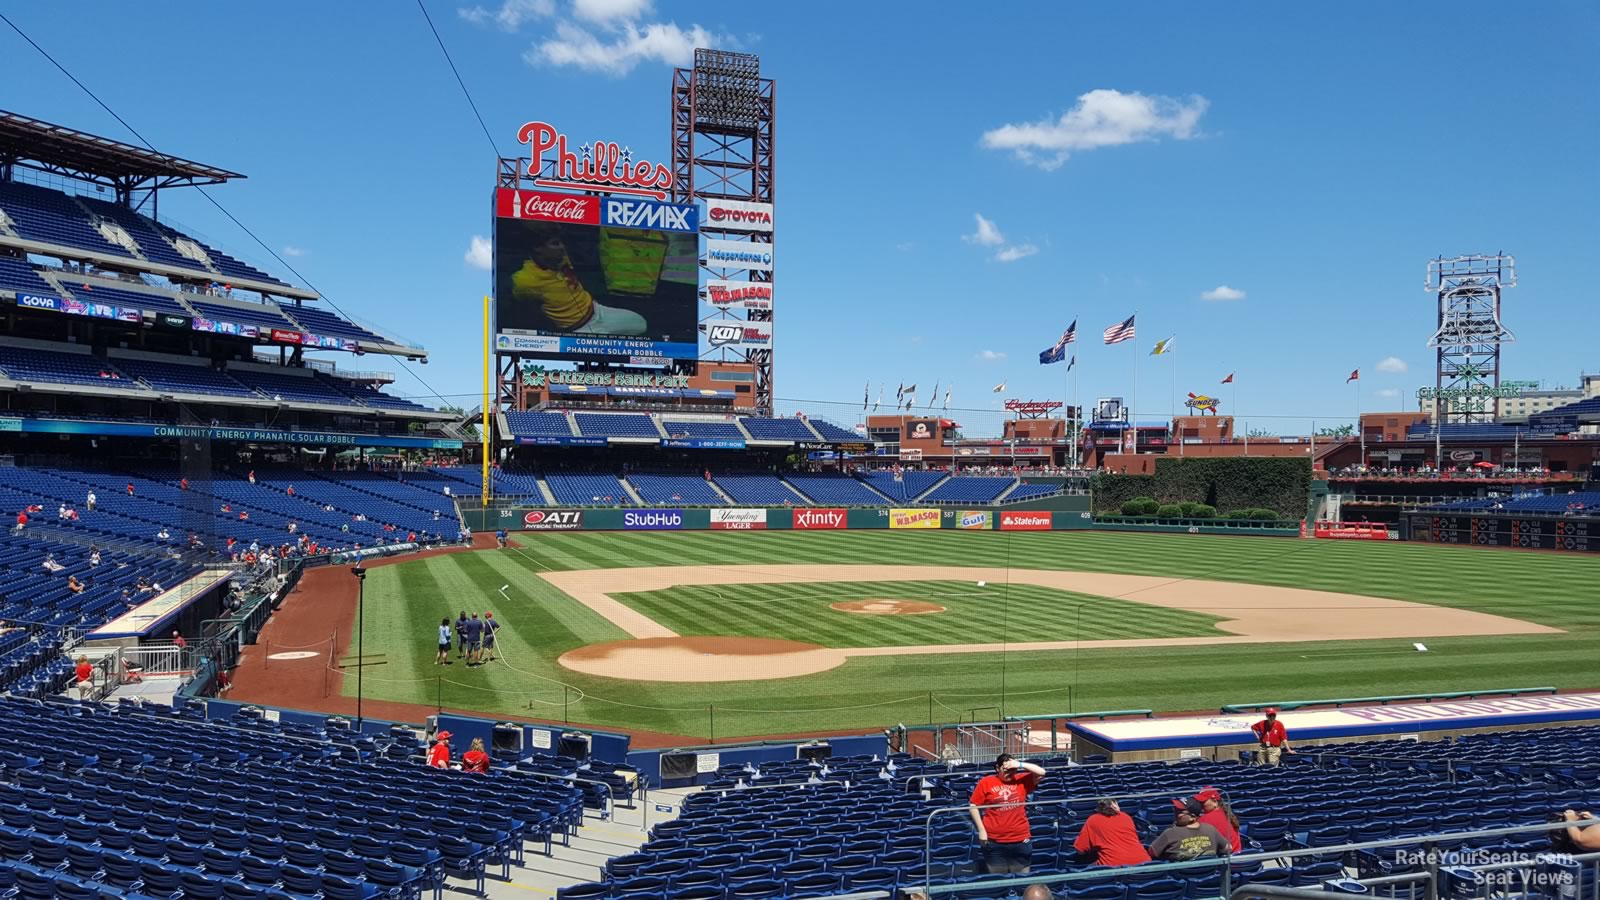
(887, 607)
(701, 659)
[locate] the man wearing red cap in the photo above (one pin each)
(1273, 737)
(1218, 816)
(439, 755)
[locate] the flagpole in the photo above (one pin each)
(1133, 401)
(1175, 399)
(1359, 430)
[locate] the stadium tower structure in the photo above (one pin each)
(723, 120)
(1469, 334)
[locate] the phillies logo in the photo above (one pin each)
(599, 165)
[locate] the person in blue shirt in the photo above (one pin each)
(461, 634)
(474, 637)
(490, 626)
(500, 538)
(444, 642)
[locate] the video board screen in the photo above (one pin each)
(596, 277)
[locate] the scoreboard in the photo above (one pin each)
(1508, 531)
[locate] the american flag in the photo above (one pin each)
(1059, 351)
(1122, 331)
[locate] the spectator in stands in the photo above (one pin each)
(183, 484)
(1188, 838)
(1109, 837)
(444, 642)
(224, 681)
(130, 489)
(84, 674)
(22, 522)
(1583, 839)
(61, 511)
(436, 515)
(178, 641)
(447, 490)
(490, 626)
(439, 753)
(90, 500)
(1219, 816)
(94, 556)
(998, 812)
(252, 476)
(290, 491)
(50, 565)
(163, 534)
(547, 278)
(1272, 737)
(127, 598)
(74, 585)
(475, 759)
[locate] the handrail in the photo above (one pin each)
(1101, 715)
(1226, 863)
(1383, 700)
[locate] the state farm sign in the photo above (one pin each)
(739, 519)
(819, 519)
(738, 215)
(510, 203)
(730, 294)
(1025, 521)
(601, 165)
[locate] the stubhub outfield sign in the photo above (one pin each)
(653, 520)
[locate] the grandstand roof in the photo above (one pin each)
(55, 148)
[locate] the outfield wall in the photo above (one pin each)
(802, 518)
(1578, 535)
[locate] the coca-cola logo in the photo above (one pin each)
(570, 209)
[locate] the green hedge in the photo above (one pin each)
(1267, 487)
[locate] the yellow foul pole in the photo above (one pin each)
(488, 373)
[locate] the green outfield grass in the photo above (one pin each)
(801, 612)
(405, 603)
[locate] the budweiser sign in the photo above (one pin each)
(510, 203)
(815, 519)
(602, 165)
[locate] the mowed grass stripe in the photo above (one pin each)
(802, 612)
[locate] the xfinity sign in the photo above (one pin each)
(626, 213)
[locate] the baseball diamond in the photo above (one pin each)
(1173, 622)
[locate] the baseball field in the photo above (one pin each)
(704, 634)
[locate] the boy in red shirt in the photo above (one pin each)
(439, 755)
(85, 675)
(1001, 818)
(1218, 817)
(1110, 838)
(1273, 737)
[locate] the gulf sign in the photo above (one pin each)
(1025, 521)
(728, 294)
(738, 215)
(914, 518)
(975, 519)
(820, 519)
(738, 520)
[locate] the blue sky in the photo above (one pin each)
(1310, 161)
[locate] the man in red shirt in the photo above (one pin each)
(1219, 817)
(1001, 818)
(1109, 837)
(85, 676)
(1273, 737)
(439, 754)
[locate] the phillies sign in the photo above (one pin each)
(726, 294)
(602, 165)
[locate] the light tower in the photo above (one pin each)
(1469, 335)
(722, 149)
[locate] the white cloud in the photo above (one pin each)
(1222, 292)
(1389, 392)
(623, 46)
(906, 246)
(511, 15)
(1102, 118)
(292, 250)
(603, 11)
(991, 355)
(1394, 365)
(987, 235)
(480, 255)
(1015, 252)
